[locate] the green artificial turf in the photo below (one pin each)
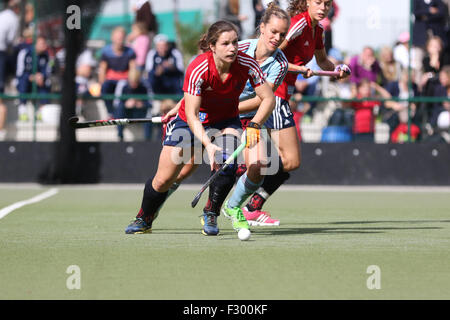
(321, 250)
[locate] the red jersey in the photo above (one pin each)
(220, 100)
(300, 49)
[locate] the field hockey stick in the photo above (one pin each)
(74, 123)
(319, 73)
(226, 164)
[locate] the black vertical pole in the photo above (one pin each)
(63, 167)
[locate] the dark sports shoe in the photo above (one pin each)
(209, 223)
(138, 226)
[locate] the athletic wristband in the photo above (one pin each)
(254, 125)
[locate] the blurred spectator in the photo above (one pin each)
(259, 6)
(307, 87)
(25, 76)
(84, 70)
(405, 132)
(364, 66)
(140, 43)
(438, 128)
(144, 14)
(430, 18)
(364, 117)
(116, 59)
(131, 107)
(258, 9)
(435, 58)
(3, 113)
(165, 68)
(337, 113)
(390, 69)
(327, 24)
(401, 54)
(441, 90)
(9, 33)
(9, 28)
(396, 114)
(230, 11)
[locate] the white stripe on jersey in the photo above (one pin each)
(249, 61)
(244, 46)
(253, 65)
(297, 29)
(196, 74)
(284, 64)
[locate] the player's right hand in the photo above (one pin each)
(307, 73)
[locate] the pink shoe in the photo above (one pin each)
(259, 218)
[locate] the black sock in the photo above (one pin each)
(269, 186)
(151, 201)
(218, 192)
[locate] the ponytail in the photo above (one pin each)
(274, 10)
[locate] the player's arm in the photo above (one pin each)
(274, 78)
(323, 61)
(253, 103)
(326, 64)
(265, 94)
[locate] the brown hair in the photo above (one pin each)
(274, 10)
(297, 6)
(214, 32)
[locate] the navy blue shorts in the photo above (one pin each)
(281, 117)
(179, 134)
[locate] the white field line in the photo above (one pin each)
(38, 198)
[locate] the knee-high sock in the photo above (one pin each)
(171, 190)
(244, 188)
(151, 202)
(268, 187)
(218, 191)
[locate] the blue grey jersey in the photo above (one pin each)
(274, 69)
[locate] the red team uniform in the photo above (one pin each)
(300, 49)
(220, 100)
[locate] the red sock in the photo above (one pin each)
(256, 202)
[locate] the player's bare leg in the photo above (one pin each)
(287, 144)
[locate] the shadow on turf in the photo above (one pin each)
(302, 230)
(397, 221)
(337, 230)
